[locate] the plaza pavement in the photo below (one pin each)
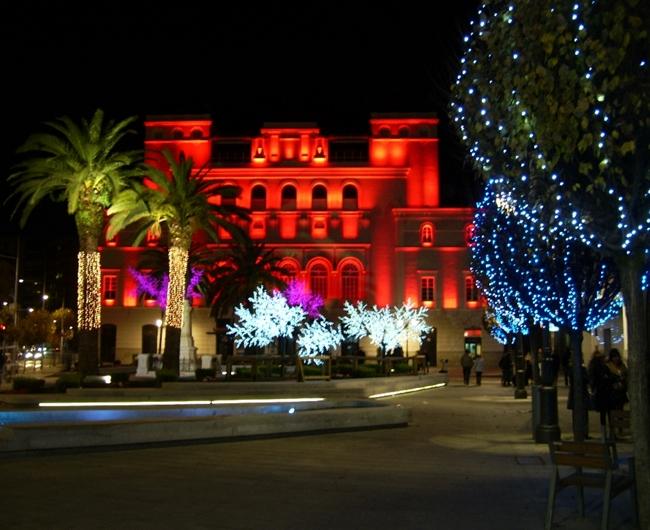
(467, 461)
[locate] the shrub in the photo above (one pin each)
(366, 370)
(120, 379)
(29, 385)
(165, 375)
(67, 381)
(401, 368)
(205, 374)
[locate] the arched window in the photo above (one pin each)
(196, 134)
(288, 198)
(258, 198)
(291, 269)
(384, 132)
(319, 197)
(177, 134)
(350, 282)
(404, 132)
(426, 234)
(471, 291)
(318, 280)
(350, 197)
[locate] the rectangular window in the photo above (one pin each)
(471, 291)
(428, 291)
(109, 289)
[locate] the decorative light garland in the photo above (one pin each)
(89, 298)
(493, 117)
(176, 290)
(528, 275)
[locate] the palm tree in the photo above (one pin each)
(181, 203)
(235, 274)
(78, 164)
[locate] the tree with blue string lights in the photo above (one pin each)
(530, 277)
(554, 95)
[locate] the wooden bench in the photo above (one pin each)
(603, 473)
(618, 432)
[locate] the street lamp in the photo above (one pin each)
(159, 326)
(45, 297)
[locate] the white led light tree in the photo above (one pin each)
(269, 317)
(317, 338)
(386, 327)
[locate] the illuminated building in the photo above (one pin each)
(354, 217)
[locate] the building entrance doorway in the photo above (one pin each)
(107, 343)
(473, 342)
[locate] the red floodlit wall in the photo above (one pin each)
(191, 137)
(452, 260)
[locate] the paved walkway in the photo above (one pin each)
(466, 462)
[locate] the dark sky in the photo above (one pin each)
(332, 63)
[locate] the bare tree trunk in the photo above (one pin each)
(638, 331)
(171, 358)
(578, 389)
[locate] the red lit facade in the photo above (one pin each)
(355, 217)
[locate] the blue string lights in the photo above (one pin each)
(529, 277)
(554, 97)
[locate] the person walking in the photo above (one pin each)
(601, 380)
(505, 363)
(618, 396)
(479, 364)
(467, 363)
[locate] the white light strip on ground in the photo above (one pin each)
(268, 401)
(51, 404)
(123, 403)
(407, 391)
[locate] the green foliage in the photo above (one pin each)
(180, 203)
(36, 328)
(77, 164)
(166, 376)
(120, 379)
(66, 381)
(401, 368)
(205, 374)
(29, 385)
(367, 370)
(559, 87)
(233, 274)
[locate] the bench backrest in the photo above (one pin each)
(582, 454)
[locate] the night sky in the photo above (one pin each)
(333, 63)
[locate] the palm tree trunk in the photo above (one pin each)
(178, 257)
(637, 307)
(88, 308)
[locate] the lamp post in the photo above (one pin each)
(520, 389)
(159, 326)
(548, 429)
